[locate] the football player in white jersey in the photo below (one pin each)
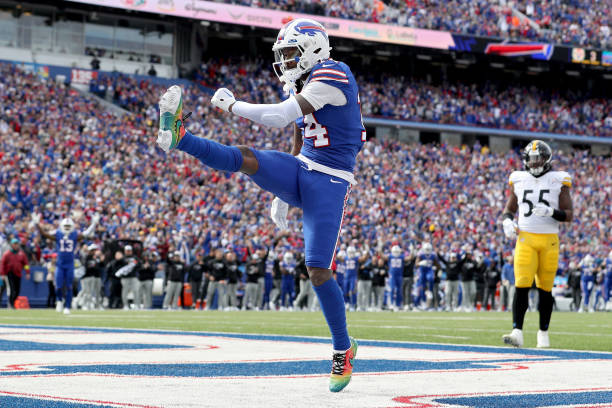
(542, 198)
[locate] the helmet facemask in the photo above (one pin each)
(288, 65)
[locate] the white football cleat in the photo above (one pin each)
(543, 340)
(171, 129)
(66, 311)
(515, 338)
(59, 306)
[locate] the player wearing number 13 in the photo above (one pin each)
(542, 198)
(66, 238)
(316, 176)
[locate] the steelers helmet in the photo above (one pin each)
(536, 157)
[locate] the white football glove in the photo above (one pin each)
(35, 218)
(509, 228)
(290, 89)
(95, 219)
(223, 98)
(34, 221)
(542, 210)
(278, 212)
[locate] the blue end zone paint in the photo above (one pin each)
(18, 345)
(531, 400)
(251, 369)
(24, 402)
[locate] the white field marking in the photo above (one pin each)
(267, 389)
(207, 349)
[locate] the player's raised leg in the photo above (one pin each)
(172, 134)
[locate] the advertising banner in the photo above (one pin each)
(360, 30)
(275, 19)
(531, 50)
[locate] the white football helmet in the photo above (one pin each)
(67, 225)
(396, 250)
(587, 260)
(341, 255)
(312, 43)
(288, 257)
(427, 248)
(351, 252)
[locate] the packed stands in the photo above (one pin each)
(63, 152)
(397, 97)
(574, 22)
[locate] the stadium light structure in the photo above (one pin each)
(498, 65)
(424, 57)
(204, 23)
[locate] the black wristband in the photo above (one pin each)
(508, 215)
(559, 215)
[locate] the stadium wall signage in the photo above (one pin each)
(360, 30)
(274, 19)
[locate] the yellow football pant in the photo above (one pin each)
(536, 255)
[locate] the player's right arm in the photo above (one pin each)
(279, 115)
(41, 229)
(276, 115)
(510, 227)
(44, 232)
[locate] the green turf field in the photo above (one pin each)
(588, 331)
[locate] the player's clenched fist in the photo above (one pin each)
(542, 210)
(223, 99)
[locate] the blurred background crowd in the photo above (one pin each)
(65, 154)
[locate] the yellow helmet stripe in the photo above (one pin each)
(534, 145)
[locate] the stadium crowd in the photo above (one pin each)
(573, 22)
(395, 97)
(65, 155)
